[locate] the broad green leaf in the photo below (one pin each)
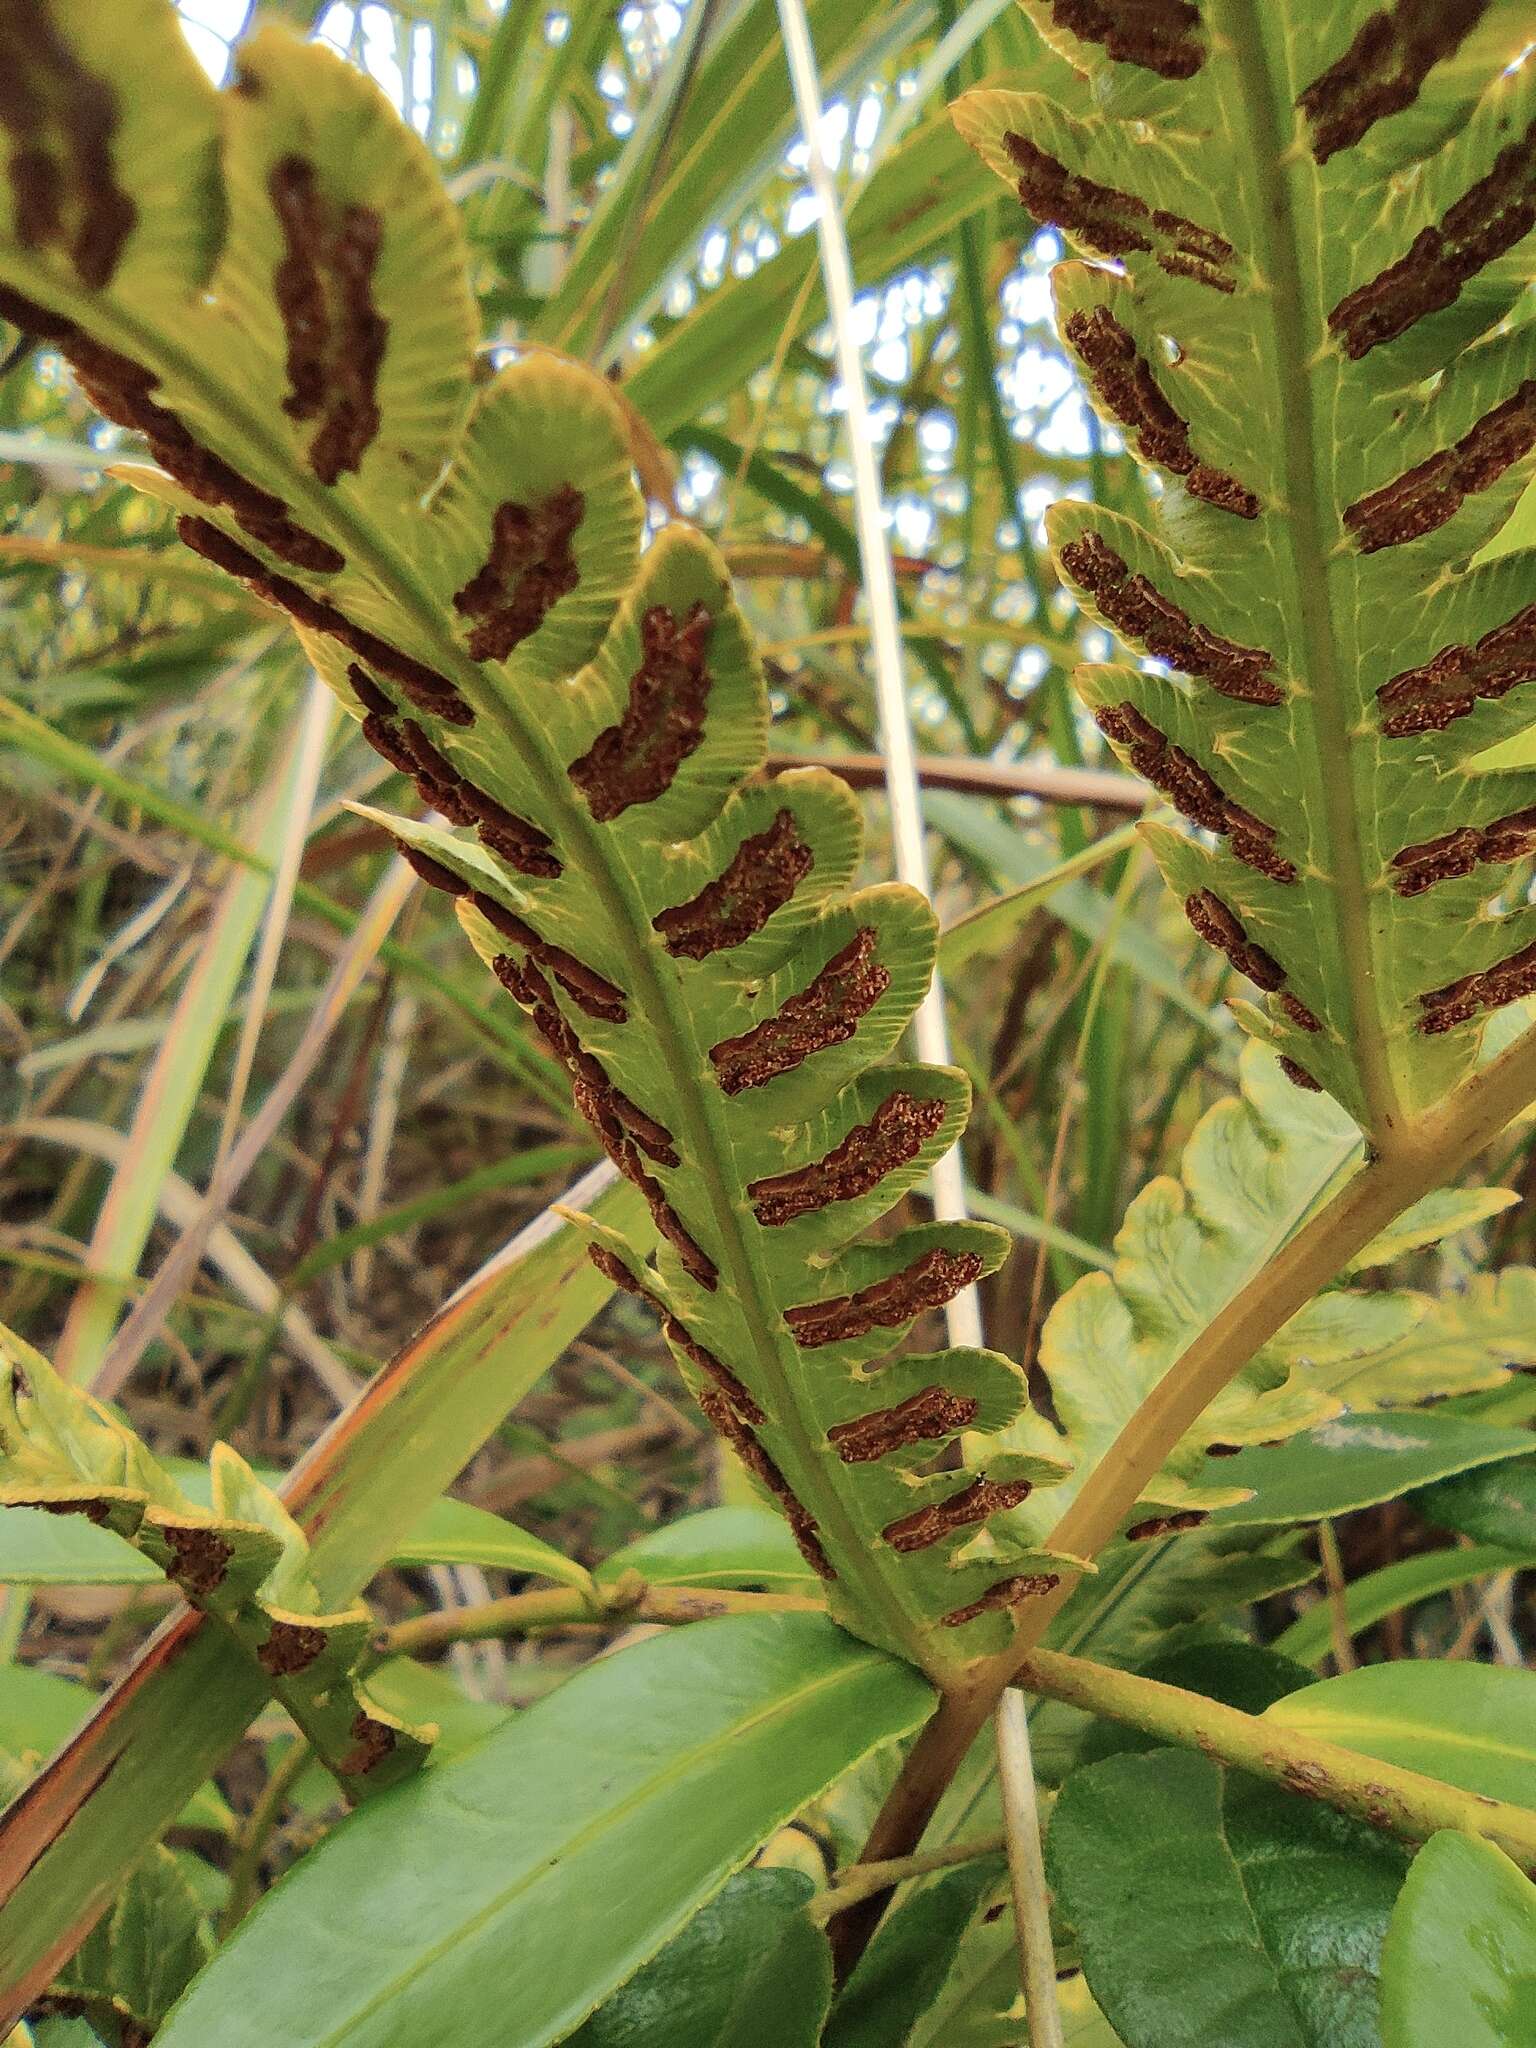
(1459, 1963)
(1473, 1725)
(1211, 1908)
(1313, 211)
(719, 1547)
(38, 1710)
(708, 1739)
(915, 1948)
(590, 718)
(1454, 1342)
(1491, 1506)
(1253, 1170)
(1394, 1587)
(748, 1971)
(140, 1957)
(1357, 1460)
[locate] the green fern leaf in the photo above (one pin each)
(590, 719)
(1322, 220)
(244, 1561)
(1256, 1166)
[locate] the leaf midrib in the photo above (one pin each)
(1286, 192)
(705, 1133)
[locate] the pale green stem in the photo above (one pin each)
(1026, 1869)
(1405, 1803)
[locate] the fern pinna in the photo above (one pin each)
(244, 1561)
(1319, 218)
(269, 285)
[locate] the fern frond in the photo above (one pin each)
(1255, 1167)
(1322, 217)
(464, 566)
(244, 1561)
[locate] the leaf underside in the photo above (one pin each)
(268, 284)
(1255, 1166)
(243, 1561)
(1317, 340)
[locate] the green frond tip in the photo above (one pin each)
(1255, 1167)
(270, 288)
(243, 1562)
(1320, 219)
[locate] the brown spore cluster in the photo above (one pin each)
(1435, 695)
(974, 1503)
(1508, 981)
(1433, 492)
(591, 991)
(1194, 793)
(1139, 611)
(605, 1106)
(1158, 35)
(1114, 223)
(426, 688)
(1487, 221)
(826, 1013)
(1009, 1592)
(1122, 379)
(1165, 1525)
(120, 388)
(637, 760)
(335, 334)
(760, 877)
(928, 1416)
(439, 783)
(894, 1135)
(1462, 852)
(1382, 70)
(1220, 927)
(932, 1279)
(529, 569)
(61, 121)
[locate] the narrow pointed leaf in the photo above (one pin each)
(708, 1739)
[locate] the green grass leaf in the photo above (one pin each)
(707, 1739)
(1394, 1587)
